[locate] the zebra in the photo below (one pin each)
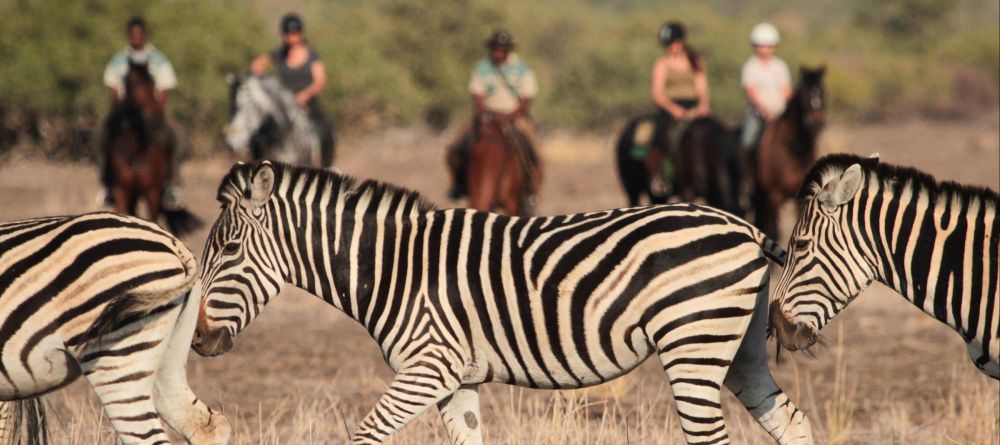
(265, 122)
(105, 296)
(456, 298)
(937, 244)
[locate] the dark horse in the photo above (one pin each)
(140, 155)
(787, 149)
(503, 169)
(705, 161)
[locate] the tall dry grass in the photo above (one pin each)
(632, 410)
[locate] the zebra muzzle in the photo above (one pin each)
(212, 343)
(792, 336)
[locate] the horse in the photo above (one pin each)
(503, 169)
(139, 154)
(705, 161)
(787, 148)
(265, 122)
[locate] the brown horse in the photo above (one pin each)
(787, 149)
(140, 156)
(503, 169)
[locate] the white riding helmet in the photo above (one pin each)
(764, 34)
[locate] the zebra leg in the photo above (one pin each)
(417, 386)
(122, 368)
(460, 414)
(696, 371)
(750, 380)
(175, 401)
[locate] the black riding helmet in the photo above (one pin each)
(500, 39)
(671, 32)
(291, 22)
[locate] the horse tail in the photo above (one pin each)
(181, 222)
(19, 415)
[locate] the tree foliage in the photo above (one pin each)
(403, 61)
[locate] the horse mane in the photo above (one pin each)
(893, 176)
(236, 184)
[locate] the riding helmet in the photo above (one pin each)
(671, 32)
(764, 34)
(500, 39)
(291, 22)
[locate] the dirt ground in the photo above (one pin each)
(303, 373)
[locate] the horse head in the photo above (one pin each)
(140, 89)
(810, 98)
(266, 122)
(250, 106)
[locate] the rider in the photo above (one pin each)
(680, 90)
(767, 83)
(299, 69)
(140, 52)
(502, 87)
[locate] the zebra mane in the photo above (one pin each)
(892, 175)
(236, 184)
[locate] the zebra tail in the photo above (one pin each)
(772, 250)
(181, 222)
(20, 415)
(131, 307)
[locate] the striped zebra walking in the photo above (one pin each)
(104, 296)
(937, 244)
(456, 298)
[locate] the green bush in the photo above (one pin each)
(398, 62)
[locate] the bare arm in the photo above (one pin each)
(115, 98)
(318, 71)
(755, 102)
(260, 65)
(656, 89)
(701, 88)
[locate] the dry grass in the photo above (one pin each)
(303, 374)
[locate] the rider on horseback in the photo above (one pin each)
(502, 86)
(139, 52)
(767, 82)
(299, 69)
(680, 91)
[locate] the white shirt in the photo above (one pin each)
(158, 64)
(769, 81)
(498, 96)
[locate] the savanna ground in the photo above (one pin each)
(305, 374)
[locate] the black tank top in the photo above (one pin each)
(295, 79)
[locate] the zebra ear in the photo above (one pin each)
(261, 184)
(840, 191)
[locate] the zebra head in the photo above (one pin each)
(250, 106)
(242, 266)
(826, 267)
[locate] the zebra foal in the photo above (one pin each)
(937, 244)
(456, 298)
(104, 296)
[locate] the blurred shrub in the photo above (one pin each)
(397, 62)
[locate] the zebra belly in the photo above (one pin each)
(49, 367)
(551, 374)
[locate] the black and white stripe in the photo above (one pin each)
(104, 296)
(937, 244)
(456, 298)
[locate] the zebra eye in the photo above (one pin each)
(231, 248)
(802, 244)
